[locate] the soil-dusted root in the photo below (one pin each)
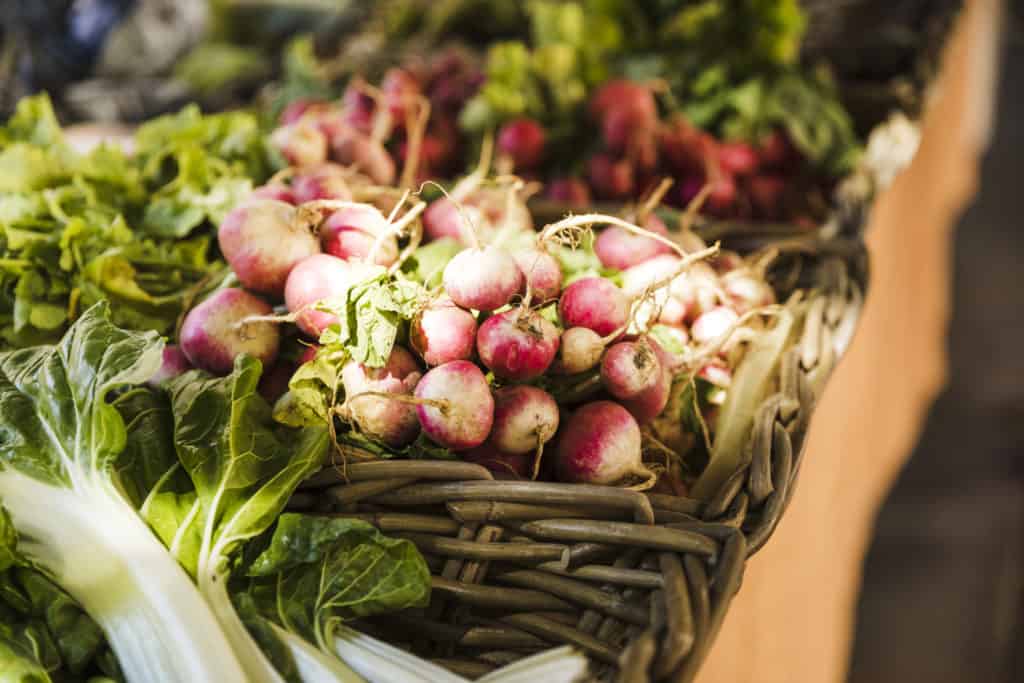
(594, 303)
(262, 240)
(482, 278)
(443, 332)
(321, 277)
(601, 443)
(174, 363)
(629, 368)
(460, 411)
(542, 274)
(569, 230)
(301, 143)
(518, 344)
(369, 405)
(218, 330)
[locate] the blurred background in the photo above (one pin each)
(943, 593)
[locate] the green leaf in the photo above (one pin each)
(33, 122)
(427, 263)
(318, 572)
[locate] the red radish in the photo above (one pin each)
(518, 344)
(716, 372)
(522, 140)
(620, 249)
(174, 363)
(400, 90)
(525, 418)
(611, 179)
(594, 303)
(325, 181)
(321, 277)
(300, 143)
(722, 197)
(652, 401)
(274, 381)
(351, 232)
(216, 331)
(713, 324)
(365, 154)
(571, 191)
(262, 240)
(296, 109)
(631, 131)
(457, 408)
(580, 349)
(443, 332)
(777, 151)
(392, 421)
(600, 444)
(542, 273)
(309, 354)
(482, 279)
(746, 291)
(737, 158)
(502, 465)
(278, 191)
(767, 194)
(617, 94)
(686, 148)
(687, 190)
(629, 368)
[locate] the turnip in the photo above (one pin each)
(262, 240)
(482, 278)
(601, 444)
(713, 324)
(456, 409)
(541, 272)
(620, 249)
(318, 278)
(368, 401)
(570, 191)
(275, 190)
(443, 332)
(518, 344)
(594, 303)
(301, 143)
(522, 141)
(324, 181)
(525, 418)
(351, 232)
(174, 363)
(629, 368)
(217, 330)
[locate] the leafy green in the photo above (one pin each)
(318, 572)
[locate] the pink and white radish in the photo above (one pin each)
(365, 154)
(275, 190)
(482, 278)
(301, 143)
(219, 329)
(324, 181)
(369, 401)
(501, 465)
(518, 344)
(580, 349)
(651, 402)
(594, 303)
(443, 332)
(321, 277)
(525, 418)
(713, 324)
(541, 272)
(620, 249)
(629, 368)
(352, 232)
(173, 363)
(456, 408)
(262, 240)
(601, 444)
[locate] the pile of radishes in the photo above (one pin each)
(506, 363)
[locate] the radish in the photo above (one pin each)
(321, 277)
(777, 151)
(594, 303)
(358, 108)
(502, 465)
(217, 330)
(620, 249)
(580, 349)
(301, 143)
(443, 332)
(352, 231)
(522, 141)
(399, 90)
(623, 94)
(716, 372)
(767, 195)
(262, 240)
(324, 181)
(518, 344)
(737, 158)
(713, 324)
(652, 401)
(571, 191)
(273, 190)
(487, 210)
(443, 219)
(274, 381)
(352, 148)
(600, 444)
(309, 354)
(541, 272)
(296, 109)
(724, 193)
(629, 368)
(525, 418)
(456, 408)
(746, 291)
(610, 178)
(174, 363)
(368, 403)
(676, 338)
(673, 311)
(482, 279)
